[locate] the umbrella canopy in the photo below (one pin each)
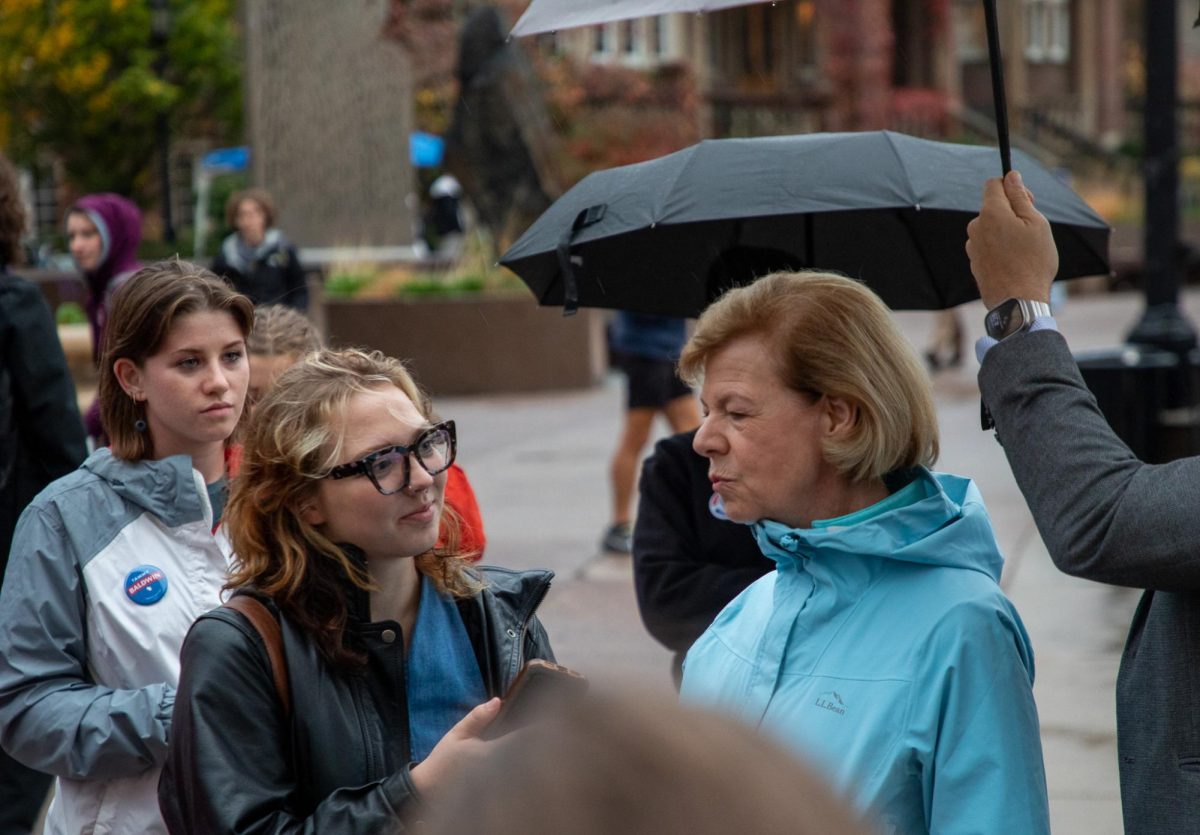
(543, 16)
(669, 235)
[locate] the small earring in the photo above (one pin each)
(139, 425)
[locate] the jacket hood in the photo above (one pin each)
(942, 523)
(169, 488)
(120, 224)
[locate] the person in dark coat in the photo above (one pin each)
(687, 562)
(257, 259)
(1103, 514)
(103, 233)
(396, 647)
(41, 439)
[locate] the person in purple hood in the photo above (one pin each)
(103, 233)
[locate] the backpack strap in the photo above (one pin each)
(267, 626)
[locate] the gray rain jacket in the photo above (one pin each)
(110, 566)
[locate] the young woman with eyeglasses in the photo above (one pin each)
(395, 646)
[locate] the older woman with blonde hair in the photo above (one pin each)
(881, 648)
(395, 647)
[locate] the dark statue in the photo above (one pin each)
(500, 144)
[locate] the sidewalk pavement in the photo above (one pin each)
(539, 465)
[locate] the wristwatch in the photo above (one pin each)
(1013, 316)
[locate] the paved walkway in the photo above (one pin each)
(539, 466)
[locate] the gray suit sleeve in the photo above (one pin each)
(52, 716)
(1103, 514)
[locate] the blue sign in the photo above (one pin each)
(146, 585)
(425, 150)
(226, 159)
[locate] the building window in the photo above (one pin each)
(629, 37)
(763, 48)
(600, 39)
(758, 46)
(658, 43)
(970, 31)
(550, 44)
(1048, 31)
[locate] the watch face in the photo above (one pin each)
(1003, 319)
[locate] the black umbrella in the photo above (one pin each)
(669, 235)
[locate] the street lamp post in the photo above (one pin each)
(1163, 325)
(160, 28)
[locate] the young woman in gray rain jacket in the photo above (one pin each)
(112, 563)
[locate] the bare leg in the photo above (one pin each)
(683, 413)
(946, 347)
(625, 460)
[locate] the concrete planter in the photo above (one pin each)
(476, 344)
(77, 346)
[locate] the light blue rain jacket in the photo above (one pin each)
(883, 651)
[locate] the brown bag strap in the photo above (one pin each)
(267, 625)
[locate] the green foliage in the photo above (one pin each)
(79, 78)
(70, 313)
(435, 284)
(347, 284)
(151, 249)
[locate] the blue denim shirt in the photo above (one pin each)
(442, 676)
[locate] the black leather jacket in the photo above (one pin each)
(340, 762)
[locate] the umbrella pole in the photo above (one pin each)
(808, 242)
(997, 65)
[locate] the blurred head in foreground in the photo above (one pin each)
(637, 765)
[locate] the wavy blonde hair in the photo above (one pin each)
(830, 335)
(279, 329)
(294, 439)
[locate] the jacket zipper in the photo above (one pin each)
(527, 616)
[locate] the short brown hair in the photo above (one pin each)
(637, 764)
(833, 336)
(12, 214)
(279, 329)
(293, 440)
(143, 310)
(259, 195)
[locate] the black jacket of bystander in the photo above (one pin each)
(687, 564)
(41, 432)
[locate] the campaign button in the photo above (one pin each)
(146, 585)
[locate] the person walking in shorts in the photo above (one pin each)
(647, 348)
